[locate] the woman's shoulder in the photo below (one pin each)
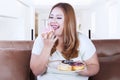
(39, 37)
(82, 36)
(38, 40)
(84, 40)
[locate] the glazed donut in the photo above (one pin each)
(64, 67)
(78, 66)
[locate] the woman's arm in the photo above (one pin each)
(38, 63)
(92, 66)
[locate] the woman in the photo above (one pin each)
(62, 42)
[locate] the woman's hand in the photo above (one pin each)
(92, 66)
(49, 39)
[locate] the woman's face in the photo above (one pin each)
(56, 21)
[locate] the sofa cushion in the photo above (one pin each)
(109, 68)
(15, 60)
(108, 52)
(14, 64)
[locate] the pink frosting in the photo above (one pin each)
(47, 30)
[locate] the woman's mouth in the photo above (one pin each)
(55, 27)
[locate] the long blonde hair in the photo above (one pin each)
(70, 38)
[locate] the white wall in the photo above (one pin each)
(8, 7)
(16, 20)
(101, 30)
(107, 20)
(114, 19)
(85, 20)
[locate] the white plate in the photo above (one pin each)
(53, 70)
(52, 67)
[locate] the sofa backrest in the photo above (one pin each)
(109, 57)
(15, 59)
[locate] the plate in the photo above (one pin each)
(56, 71)
(53, 68)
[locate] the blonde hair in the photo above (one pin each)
(70, 38)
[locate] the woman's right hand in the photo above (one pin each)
(49, 39)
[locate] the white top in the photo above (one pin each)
(86, 50)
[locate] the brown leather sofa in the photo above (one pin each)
(15, 60)
(109, 57)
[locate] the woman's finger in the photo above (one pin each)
(50, 34)
(55, 39)
(45, 37)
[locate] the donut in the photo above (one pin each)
(77, 66)
(64, 67)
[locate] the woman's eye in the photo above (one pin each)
(59, 18)
(51, 17)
